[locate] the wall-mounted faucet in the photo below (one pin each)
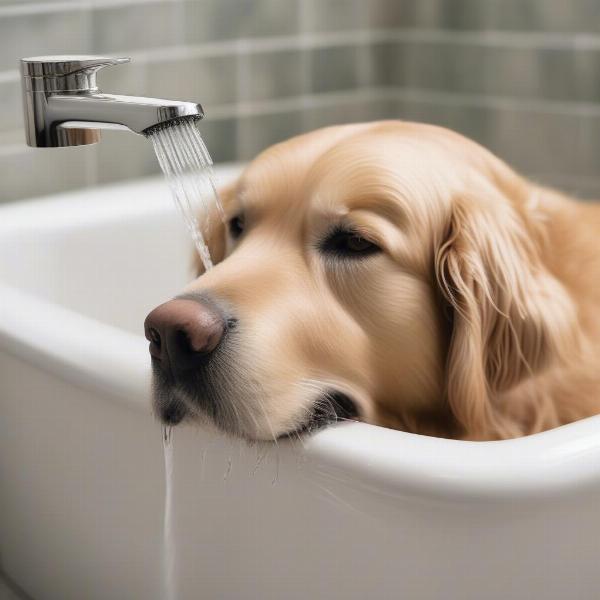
(64, 107)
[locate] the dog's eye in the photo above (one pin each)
(236, 227)
(348, 244)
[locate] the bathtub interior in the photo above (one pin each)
(112, 257)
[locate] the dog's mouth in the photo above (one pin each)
(175, 402)
(331, 407)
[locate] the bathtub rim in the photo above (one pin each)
(542, 466)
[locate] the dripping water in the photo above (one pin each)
(169, 579)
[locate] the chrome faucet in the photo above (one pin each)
(64, 107)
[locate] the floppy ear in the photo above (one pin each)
(213, 231)
(510, 317)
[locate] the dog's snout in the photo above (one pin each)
(182, 332)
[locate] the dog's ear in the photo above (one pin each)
(510, 318)
(213, 228)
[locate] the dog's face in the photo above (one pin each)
(335, 288)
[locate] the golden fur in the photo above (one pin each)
(480, 318)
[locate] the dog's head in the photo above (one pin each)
(389, 272)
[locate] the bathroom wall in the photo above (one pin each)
(520, 76)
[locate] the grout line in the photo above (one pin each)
(566, 178)
(518, 104)
(520, 39)
(258, 45)
(38, 8)
(17, 9)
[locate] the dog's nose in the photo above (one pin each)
(182, 332)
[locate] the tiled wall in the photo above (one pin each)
(520, 76)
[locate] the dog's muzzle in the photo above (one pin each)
(182, 334)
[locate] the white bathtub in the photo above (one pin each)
(360, 512)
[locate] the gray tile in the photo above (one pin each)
(208, 80)
(537, 142)
(220, 138)
(257, 133)
(544, 74)
(358, 111)
(131, 27)
(583, 143)
(335, 15)
(209, 20)
(389, 14)
(39, 171)
(505, 15)
(573, 16)
(438, 66)
(123, 155)
(387, 64)
(471, 14)
(512, 72)
(129, 79)
(59, 32)
(269, 17)
(473, 122)
(583, 188)
(334, 68)
(271, 75)
(11, 109)
(530, 141)
(548, 15)
(458, 14)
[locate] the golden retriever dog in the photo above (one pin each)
(395, 273)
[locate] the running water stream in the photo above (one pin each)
(187, 166)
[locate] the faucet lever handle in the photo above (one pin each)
(93, 64)
(62, 66)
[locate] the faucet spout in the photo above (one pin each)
(64, 107)
(109, 111)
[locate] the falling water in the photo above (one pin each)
(187, 165)
(169, 579)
